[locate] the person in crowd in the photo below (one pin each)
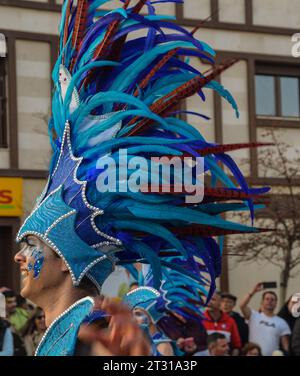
(295, 309)
(161, 344)
(265, 328)
(286, 313)
(295, 341)
(6, 338)
(217, 344)
(251, 349)
(228, 302)
(17, 316)
(188, 345)
(24, 304)
(34, 331)
(218, 321)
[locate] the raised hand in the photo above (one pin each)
(123, 336)
(258, 287)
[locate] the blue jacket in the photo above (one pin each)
(7, 344)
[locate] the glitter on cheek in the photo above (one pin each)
(39, 258)
(37, 267)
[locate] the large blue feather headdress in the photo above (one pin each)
(112, 92)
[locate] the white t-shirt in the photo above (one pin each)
(266, 331)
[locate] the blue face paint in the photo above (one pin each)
(38, 257)
(143, 319)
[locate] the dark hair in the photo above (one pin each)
(269, 292)
(9, 294)
(213, 337)
(227, 295)
(135, 283)
(250, 346)
(87, 285)
(20, 300)
(30, 325)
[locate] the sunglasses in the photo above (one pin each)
(40, 317)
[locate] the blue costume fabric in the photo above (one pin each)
(176, 308)
(60, 339)
(115, 91)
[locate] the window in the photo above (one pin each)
(3, 124)
(265, 95)
(277, 91)
(289, 91)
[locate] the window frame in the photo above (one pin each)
(12, 118)
(50, 5)
(276, 70)
(3, 127)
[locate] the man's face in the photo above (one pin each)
(11, 305)
(227, 305)
(40, 267)
(214, 302)
(220, 347)
(269, 302)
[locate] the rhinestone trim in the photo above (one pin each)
(95, 246)
(144, 288)
(75, 281)
(59, 317)
(83, 183)
(93, 280)
(60, 219)
(96, 211)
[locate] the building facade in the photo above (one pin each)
(265, 83)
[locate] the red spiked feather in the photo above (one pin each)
(105, 47)
(229, 194)
(79, 28)
(208, 231)
(231, 147)
(220, 149)
(155, 69)
(152, 72)
(215, 194)
(138, 7)
(189, 88)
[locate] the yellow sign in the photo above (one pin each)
(11, 197)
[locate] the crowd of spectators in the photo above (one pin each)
(257, 332)
(254, 332)
(21, 325)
